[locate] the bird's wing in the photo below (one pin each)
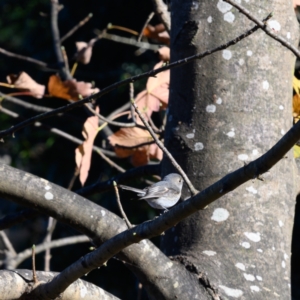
(159, 190)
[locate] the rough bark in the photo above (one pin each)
(225, 111)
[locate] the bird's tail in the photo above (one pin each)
(129, 188)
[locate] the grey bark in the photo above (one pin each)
(224, 111)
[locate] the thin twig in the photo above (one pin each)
(50, 228)
(129, 225)
(35, 280)
(53, 244)
(65, 57)
(165, 151)
(7, 243)
(162, 11)
(262, 25)
(26, 58)
(76, 27)
(60, 133)
(131, 98)
(151, 15)
(64, 73)
(113, 86)
(129, 41)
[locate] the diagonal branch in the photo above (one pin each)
(172, 217)
(112, 87)
(263, 26)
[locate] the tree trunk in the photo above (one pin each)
(224, 111)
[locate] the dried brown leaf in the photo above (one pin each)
(158, 33)
(70, 89)
(84, 51)
(83, 153)
(164, 53)
(25, 82)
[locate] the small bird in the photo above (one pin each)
(160, 195)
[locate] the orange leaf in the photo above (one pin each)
(157, 32)
(69, 89)
(83, 153)
(131, 137)
(25, 82)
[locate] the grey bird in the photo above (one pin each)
(160, 195)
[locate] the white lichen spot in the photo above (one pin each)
(229, 17)
(285, 256)
(243, 157)
(283, 264)
(211, 108)
(48, 196)
(223, 6)
(240, 266)
(281, 107)
(43, 180)
(288, 35)
(198, 146)
(47, 187)
(254, 237)
(259, 278)
(231, 133)
(251, 189)
(219, 101)
(195, 5)
(254, 288)
(190, 135)
(103, 213)
(209, 19)
(220, 215)
(92, 216)
(260, 250)
(226, 54)
(282, 132)
(249, 53)
(274, 25)
(83, 291)
(241, 61)
(255, 152)
(175, 285)
(273, 248)
(280, 223)
(209, 252)
(245, 245)
(249, 277)
(234, 293)
(266, 85)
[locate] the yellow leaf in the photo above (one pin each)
(296, 85)
(296, 151)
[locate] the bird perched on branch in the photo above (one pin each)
(160, 195)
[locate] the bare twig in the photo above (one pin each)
(135, 146)
(26, 58)
(50, 228)
(109, 161)
(145, 25)
(64, 73)
(35, 280)
(165, 151)
(112, 87)
(65, 57)
(60, 133)
(162, 11)
(262, 25)
(7, 243)
(137, 172)
(80, 24)
(129, 225)
(129, 41)
(20, 257)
